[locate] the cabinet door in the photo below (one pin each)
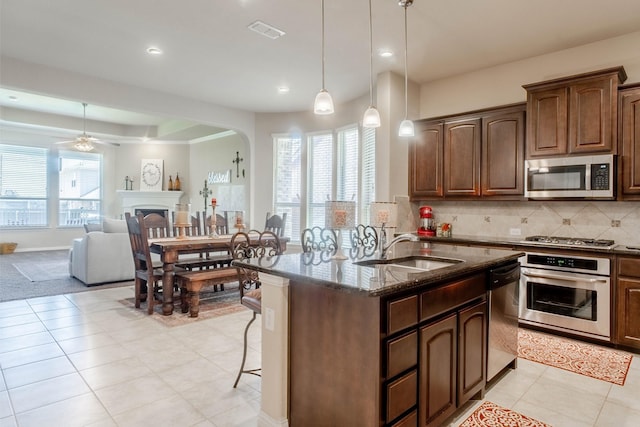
(503, 154)
(462, 158)
(425, 162)
(630, 134)
(592, 116)
(437, 388)
(628, 307)
(547, 114)
(472, 350)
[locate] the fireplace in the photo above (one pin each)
(148, 201)
(162, 212)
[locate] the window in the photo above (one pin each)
(79, 188)
(336, 165)
(31, 185)
(23, 186)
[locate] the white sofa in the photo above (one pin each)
(103, 256)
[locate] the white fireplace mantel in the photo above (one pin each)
(131, 200)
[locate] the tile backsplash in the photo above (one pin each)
(618, 221)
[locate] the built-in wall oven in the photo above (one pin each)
(566, 293)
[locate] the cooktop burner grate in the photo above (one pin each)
(570, 241)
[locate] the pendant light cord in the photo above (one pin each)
(406, 102)
(322, 3)
(370, 56)
(84, 118)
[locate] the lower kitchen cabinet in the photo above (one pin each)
(452, 364)
(628, 302)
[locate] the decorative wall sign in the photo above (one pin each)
(151, 175)
(220, 177)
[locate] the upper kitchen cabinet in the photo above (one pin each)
(629, 135)
(574, 115)
(471, 155)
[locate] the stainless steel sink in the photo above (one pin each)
(411, 263)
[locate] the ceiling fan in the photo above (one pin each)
(85, 142)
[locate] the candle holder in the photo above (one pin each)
(239, 223)
(213, 222)
(182, 219)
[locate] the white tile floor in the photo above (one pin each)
(85, 360)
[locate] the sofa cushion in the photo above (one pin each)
(114, 226)
(92, 227)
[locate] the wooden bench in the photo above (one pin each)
(194, 280)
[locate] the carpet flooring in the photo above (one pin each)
(14, 285)
(491, 415)
(582, 358)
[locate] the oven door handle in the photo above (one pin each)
(529, 273)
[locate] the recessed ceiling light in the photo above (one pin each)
(154, 51)
(385, 53)
(13, 98)
(283, 89)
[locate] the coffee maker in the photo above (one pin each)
(427, 225)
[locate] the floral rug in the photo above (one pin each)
(212, 304)
(582, 358)
(491, 415)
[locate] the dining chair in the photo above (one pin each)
(157, 226)
(364, 240)
(221, 225)
(318, 239)
(275, 223)
(249, 282)
(147, 277)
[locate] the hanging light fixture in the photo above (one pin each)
(371, 118)
(85, 142)
(406, 126)
(323, 103)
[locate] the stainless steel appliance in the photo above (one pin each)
(569, 242)
(566, 293)
(583, 177)
(503, 318)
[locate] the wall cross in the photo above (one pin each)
(237, 161)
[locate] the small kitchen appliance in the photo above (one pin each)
(427, 222)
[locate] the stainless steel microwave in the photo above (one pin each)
(577, 177)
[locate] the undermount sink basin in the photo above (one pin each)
(411, 263)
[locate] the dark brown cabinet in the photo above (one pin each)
(402, 360)
(452, 364)
(574, 115)
(629, 134)
(478, 154)
(627, 304)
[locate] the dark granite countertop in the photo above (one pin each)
(518, 243)
(316, 268)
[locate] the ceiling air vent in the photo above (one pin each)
(266, 30)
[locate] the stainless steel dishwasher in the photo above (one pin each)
(503, 318)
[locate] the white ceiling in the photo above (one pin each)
(210, 55)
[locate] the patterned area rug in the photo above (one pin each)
(212, 304)
(575, 356)
(491, 415)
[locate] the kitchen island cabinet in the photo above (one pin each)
(368, 345)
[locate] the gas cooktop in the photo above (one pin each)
(569, 241)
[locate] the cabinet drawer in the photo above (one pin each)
(402, 354)
(440, 300)
(410, 420)
(402, 394)
(629, 267)
(402, 313)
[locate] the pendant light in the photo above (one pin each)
(406, 126)
(323, 103)
(371, 118)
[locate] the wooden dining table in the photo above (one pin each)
(170, 248)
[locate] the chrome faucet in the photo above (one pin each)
(384, 247)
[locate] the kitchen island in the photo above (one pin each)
(357, 342)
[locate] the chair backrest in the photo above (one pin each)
(194, 230)
(275, 223)
(364, 240)
(242, 247)
(221, 225)
(319, 239)
(138, 236)
(156, 225)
